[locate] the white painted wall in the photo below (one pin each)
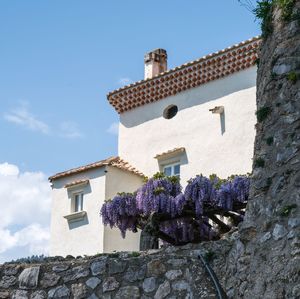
(89, 236)
(143, 132)
(120, 181)
(82, 237)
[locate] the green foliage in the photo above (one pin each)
(134, 254)
(209, 256)
(217, 181)
(263, 12)
(263, 113)
(286, 210)
(259, 162)
(159, 175)
(173, 179)
(113, 255)
(293, 77)
(286, 7)
(270, 140)
(34, 259)
(159, 190)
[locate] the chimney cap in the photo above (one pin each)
(156, 55)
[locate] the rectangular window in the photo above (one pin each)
(172, 170)
(78, 202)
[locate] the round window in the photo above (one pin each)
(170, 111)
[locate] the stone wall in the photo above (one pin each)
(265, 259)
(166, 273)
(260, 260)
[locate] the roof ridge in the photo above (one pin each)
(114, 161)
(89, 165)
(210, 55)
(189, 75)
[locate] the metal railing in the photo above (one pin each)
(219, 290)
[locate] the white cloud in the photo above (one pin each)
(113, 128)
(70, 130)
(24, 213)
(8, 169)
(125, 81)
(22, 117)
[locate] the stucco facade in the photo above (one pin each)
(87, 235)
(221, 144)
(210, 130)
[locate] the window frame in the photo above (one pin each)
(78, 201)
(170, 111)
(172, 165)
(73, 195)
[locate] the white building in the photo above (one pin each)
(196, 118)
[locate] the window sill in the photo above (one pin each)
(77, 216)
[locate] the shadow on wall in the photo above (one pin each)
(182, 159)
(222, 122)
(79, 223)
(85, 189)
(193, 97)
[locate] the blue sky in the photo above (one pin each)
(59, 59)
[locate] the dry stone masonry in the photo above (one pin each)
(167, 273)
(259, 260)
(265, 259)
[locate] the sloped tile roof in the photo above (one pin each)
(186, 76)
(175, 151)
(112, 161)
(76, 183)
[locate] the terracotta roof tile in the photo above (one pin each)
(75, 183)
(112, 161)
(175, 151)
(186, 76)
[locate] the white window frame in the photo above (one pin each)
(76, 208)
(172, 165)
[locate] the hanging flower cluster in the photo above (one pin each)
(163, 195)
(160, 194)
(120, 212)
(200, 190)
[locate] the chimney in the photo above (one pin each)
(155, 63)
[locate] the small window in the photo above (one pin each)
(172, 170)
(170, 111)
(78, 202)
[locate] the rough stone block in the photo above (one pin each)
(129, 292)
(49, 280)
(29, 277)
(163, 290)
(149, 284)
(75, 273)
(20, 294)
(7, 281)
(60, 292)
(110, 284)
(98, 267)
(155, 267)
(79, 291)
(93, 282)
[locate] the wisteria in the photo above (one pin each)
(161, 195)
(200, 190)
(235, 190)
(182, 216)
(121, 212)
